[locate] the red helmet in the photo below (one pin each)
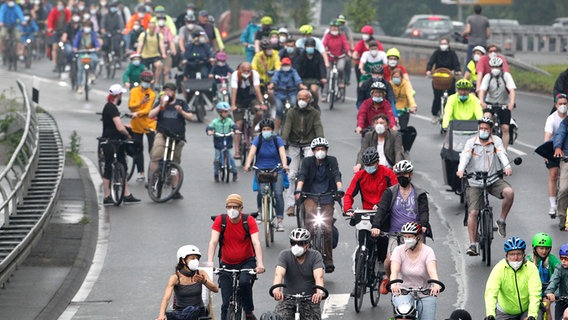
(146, 76)
(367, 30)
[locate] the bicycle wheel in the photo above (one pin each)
(360, 279)
(331, 94)
(376, 277)
(300, 213)
(342, 92)
(117, 183)
(488, 225)
(266, 219)
(28, 56)
(131, 165)
(231, 314)
(87, 84)
(272, 218)
(199, 108)
(480, 237)
(160, 183)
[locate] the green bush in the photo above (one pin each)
(536, 82)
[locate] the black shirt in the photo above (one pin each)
(109, 128)
(169, 120)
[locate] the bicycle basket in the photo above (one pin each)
(266, 177)
(85, 59)
(442, 79)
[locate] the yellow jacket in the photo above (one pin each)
(404, 95)
(263, 63)
(141, 122)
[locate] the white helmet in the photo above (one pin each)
(479, 48)
(495, 62)
(188, 250)
(403, 166)
(319, 142)
(300, 234)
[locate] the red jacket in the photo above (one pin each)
(54, 16)
(371, 186)
(336, 45)
(368, 110)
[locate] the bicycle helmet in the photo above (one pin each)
(341, 18)
(370, 156)
(334, 23)
(159, 9)
(479, 48)
(189, 18)
(378, 86)
(264, 44)
(463, 84)
(319, 142)
(393, 52)
(563, 250)
(300, 234)
(377, 69)
(187, 250)
(266, 20)
(146, 76)
(411, 228)
(270, 316)
(403, 166)
(222, 106)
(266, 123)
(306, 29)
(367, 30)
(514, 243)
(310, 42)
(542, 240)
(283, 30)
(487, 120)
(135, 55)
(221, 56)
(495, 62)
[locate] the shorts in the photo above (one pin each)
(239, 114)
(149, 61)
(474, 194)
(158, 149)
(15, 32)
(504, 114)
(552, 163)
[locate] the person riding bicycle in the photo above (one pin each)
(223, 124)
(387, 142)
(266, 62)
(339, 51)
(300, 268)
(69, 34)
(470, 73)
(363, 46)
(513, 289)
(290, 51)
(160, 13)
(364, 88)
(283, 37)
(303, 124)
(311, 68)
(220, 69)
(393, 57)
(247, 37)
(485, 153)
(405, 103)
(186, 285)
(131, 76)
(239, 248)
(462, 105)
(114, 129)
(286, 82)
(29, 29)
(186, 32)
(203, 22)
(152, 50)
(57, 19)
(482, 67)
(197, 57)
(369, 59)
(546, 263)
(180, 19)
(141, 15)
(131, 38)
(560, 144)
(307, 33)
(171, 115)
(553, 165)
(415, 263)
(274, 40)
(377, 104)
(559, 284)
(268, 151)
(169, 40)
(11, 21)
(111, 27)
(86, 39)
(320, 174)
(498, 88)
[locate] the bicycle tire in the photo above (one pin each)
(231, 314)
(360, 279)
(488, 225)
(300, 215)
(266, 219)
(272, 218)
(87, 84)
(131, 165)
(117, 183)
(199, 109)
(377, 277)
(342, 91)
(28, 57)
(226, 169)
(156, 183)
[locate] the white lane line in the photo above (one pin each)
(517, 151)
(335, 305)
(524, 144)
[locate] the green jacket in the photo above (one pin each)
(302, 126)
(508, 287)
(559, 281)
(132, 73)
(553, 261)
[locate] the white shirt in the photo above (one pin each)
(552, 122)
(245, 82)
(381, 150)
(496, 91)
(367, 57)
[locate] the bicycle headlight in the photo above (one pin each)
(28, 41)
(196, 93)
(404, 309)
(87, 66)
(319, 220)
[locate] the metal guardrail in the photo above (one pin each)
(531, 38)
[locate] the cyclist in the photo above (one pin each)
(561, 84)
(311, 68)
(131, 38)
(238, 249)
(203, 22)
(221, 69)
(307, 32)
(470, 73)
(197, 57)
(169, 41)
(393, 57)
(369, 59)
(268, 151)
(546, 263)
(387, 142)
(336, 45)
(132, 73)
(485, 152)
(186, 32)
(141, 102)
(69, 34)
(152, 50)
(247, 37)
(559, 283)
(290, 51)
(186, 285)
(498, 88)
(513, 288)
(303, 124)
(218, 38)
(284, 36)
(551, 126)
(115, 130)
(180, 20)
(462, 105)
(111, 29)
(300, 268)
(86, 39)
(364, 89)
(141, 15)
(170, 114)
(320, 174)
(373, 106)
(363, 45)
(405, 103)
(482, 67)
(274, 39)
(478, 31)
(28, 29)
(263, 33)
(57, 19)
(285, 79)
(160, 13)
(415, 263)
(346, 30)
(223, 124)
(266, 61)
(443, 57)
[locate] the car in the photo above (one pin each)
(429, 27)
(561, 22)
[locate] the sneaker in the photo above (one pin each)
(434, 119)
(140, 177)
(80, 90)
(108, 200)
(472, 250)
(130, 199)
(250, 316)
(552, 213)
(502, 228)
(216, 177)
(235, 177)
(279, 227)
(177, 196)
(290, 211)
(383, 287)
(67, 68)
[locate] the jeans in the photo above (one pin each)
(217, 162)
(294, 168)
(426, 305)
(340, 74)
(280, 99)
(81, 70)
(68, 49)
(278, 188)
(139, 138)
(246, 282)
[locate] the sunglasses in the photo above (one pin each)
(564, 258)
(300, 243)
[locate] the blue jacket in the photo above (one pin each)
(11, 16)
(194, 53)
(248, 34)
(28, 30)
(559, 139)
(285, 80)
(79, 35)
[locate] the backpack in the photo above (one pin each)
(244, 221)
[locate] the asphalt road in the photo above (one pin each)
(137, 245)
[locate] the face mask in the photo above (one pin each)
(515, 264)
(370, 169)
(221, 64)
(282, 39)
(378, 99)
(302, 104)
(119, 102)
(190, 26)
(403, 181)
(310, 50)
(495, 72)
(136, 27)
(463, 98)
(113, 9)
(380, 128)
(12, 3)
(202, 40)
(410, 243)
(145, 85)
(189, 12)
(193, 265)
(334, 32)
(81, 8)
(476, 57)
(492, 55)
(320, 154)
(76, 18)
(562, 108)
(161, 23)
(87, 16)
(245, 75)
(365, 37)
(393, 63)
(290, 50)
(297, 250)
(103, 3)
(483, 135)
(374, 52)
(443, 47)
(268, 53)
(233, 213)
(59, 7)
(266, 134)
(274, 40)
(86, 30)
(286, 69)
(396, 81)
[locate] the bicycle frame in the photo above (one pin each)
(318, 241)
(225, 163)
(268, 203)
(405, 310)
(235, 299)
(298, 297)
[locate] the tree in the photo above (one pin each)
(361, 12)
(235, 7)
(301, 13)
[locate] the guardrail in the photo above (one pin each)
(531, 38)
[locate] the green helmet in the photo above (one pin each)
(463, 84)
(542, 240)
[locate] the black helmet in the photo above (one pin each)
(377, 69)
(310, 42)
(265, 44)
(266, 123)
(370, 156)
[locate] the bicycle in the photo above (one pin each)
(442, 79)
(84, 56)
(542, 311)
(130, 158)
(11, 49)
(29, 46)
(168, 175)
(118, 172)
(513, 127)
(299, 299)
(196, 95)
(409, 310)
(223, 89)
(265, 178)
(235, 309)
(297, 207)
(335, 91)
(286, 103)
(224, 162)
(111, 59)
(246, 134)
(61, 62)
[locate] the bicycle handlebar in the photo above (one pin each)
(220, 269)
(217, 134)
(279, 166)
(298, 296)
(415, 290)
(496, 106)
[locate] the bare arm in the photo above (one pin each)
(167, 295)
(213, 241)
(250, 156)
(258, 251)
(279, 274)
(120, 127)
(318, 277)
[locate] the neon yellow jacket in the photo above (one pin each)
(507, 287)
(472, 73)
(263, 63)
(457, 110)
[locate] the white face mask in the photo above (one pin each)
(161, 23)
(297, 250)
(515, 264)
(245, 75)
(320, 154)
(443, 47)
(374, 52)
(365, 37)
(495, 72)
(302, 104)
(562, 108)
(393, 63)
(193, 265)
(76, 18)
(410, 243)
(334, 32)
(380, 128)
(189, 12)
(233, 213)
(476, 57)
(86, 30)
(492, 55)
(136, 27)
(282, 39)
(288, 68)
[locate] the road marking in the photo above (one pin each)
(517, 151)
(524, 144)
(335, 305)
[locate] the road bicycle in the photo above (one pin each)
(513, 127)
(224, 165)
(166, 180)
(111, 59)
(11, 49)
(318, 233)
(235, 309)
(118, 172)
(335, 91)
(409, 309)
(301, 300)
(265, 178)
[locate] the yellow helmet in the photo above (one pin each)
(306, 29)
(266, 20)
(393, 52)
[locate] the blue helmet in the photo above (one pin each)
(223, 106)
(563, 250)
(515, 243)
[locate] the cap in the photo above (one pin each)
(204, 13)
(190, 5)
(170, 85)
(286, 60)
(234, 198)
(116, 89)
